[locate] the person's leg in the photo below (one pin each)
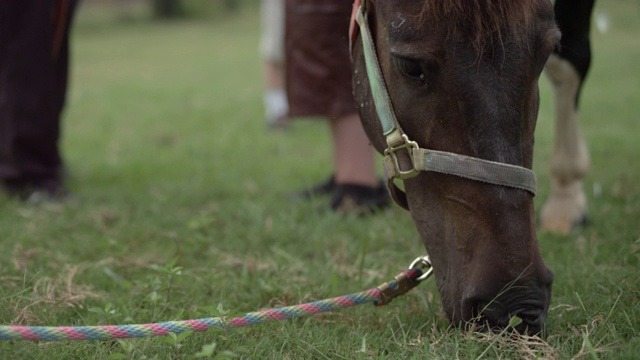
(272, 46)
(354, 160)
(33, 82)
(60, 81)
(275, 97)
(24, 78)
(357, 187)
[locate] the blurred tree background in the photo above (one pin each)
(172, 9)
(169, 9)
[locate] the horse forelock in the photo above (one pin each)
(482, 20)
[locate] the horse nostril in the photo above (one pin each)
(533, 321)
(495, 316)
(531, 315)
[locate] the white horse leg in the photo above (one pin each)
(567, 204)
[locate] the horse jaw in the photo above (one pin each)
(487, 265)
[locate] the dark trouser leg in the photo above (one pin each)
(33, 84)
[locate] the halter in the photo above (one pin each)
(423, 159)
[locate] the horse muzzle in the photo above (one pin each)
(520, 308)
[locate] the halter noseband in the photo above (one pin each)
(423, 159)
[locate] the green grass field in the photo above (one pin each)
(183, 213)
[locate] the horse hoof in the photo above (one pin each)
(565, 226)
(557, 226)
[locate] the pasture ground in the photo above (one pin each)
(183, 213)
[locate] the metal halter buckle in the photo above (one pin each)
(408, 146)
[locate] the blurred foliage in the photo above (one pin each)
(169, 9)
(163, 9)
(97, 12)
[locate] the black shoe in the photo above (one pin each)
(324, 188)
(359, 199)
(59, 196)
(40, 192)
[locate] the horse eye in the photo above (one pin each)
(410, 68)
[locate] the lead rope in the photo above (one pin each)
(418, 271)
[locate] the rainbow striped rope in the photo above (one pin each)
(48, 333)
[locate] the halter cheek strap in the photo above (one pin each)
(398, 143)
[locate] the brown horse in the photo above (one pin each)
(451, 87)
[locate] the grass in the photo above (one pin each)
(183, 213)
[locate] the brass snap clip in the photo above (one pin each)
(402, 283)
(424, 264)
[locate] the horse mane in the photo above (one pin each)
(482, 21)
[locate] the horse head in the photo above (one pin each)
(461, 82)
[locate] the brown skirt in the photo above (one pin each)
(318, 64)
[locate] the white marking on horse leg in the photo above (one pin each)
(567, 204)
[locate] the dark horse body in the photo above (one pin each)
(462, 79)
